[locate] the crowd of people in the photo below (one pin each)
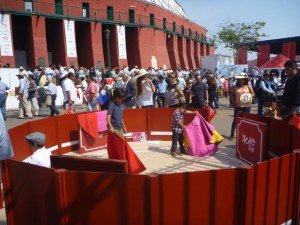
(147, 89)
(155, 88)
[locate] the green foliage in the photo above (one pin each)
(235, 35)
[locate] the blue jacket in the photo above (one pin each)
(6, 150)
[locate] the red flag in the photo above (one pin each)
(88, 122)
(118, 148)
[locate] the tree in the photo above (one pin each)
(239, 35)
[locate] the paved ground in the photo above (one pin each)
(151, 153)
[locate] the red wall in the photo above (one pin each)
(289, 50)
(151, 42)
(263, 54)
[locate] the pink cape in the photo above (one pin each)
(199, 133)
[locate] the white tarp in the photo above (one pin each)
(231, 70)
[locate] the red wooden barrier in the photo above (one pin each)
(17, 138)
(206, 197)
(280, 137)
(68, 133)
(160, 121)
(49, 127)
(295, 143)
(30, 194)
(135, 120)
(101, 198)
(255, 117)
(88, 164)
(270, 191)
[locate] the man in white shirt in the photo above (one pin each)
(40, 156)
(69, 91)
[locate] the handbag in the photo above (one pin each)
(49, 100)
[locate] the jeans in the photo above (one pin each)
(236, 110)
(161, 100)
(177, 137)
(213, 101)
(260, 105)
(3, 98)
(52, 106)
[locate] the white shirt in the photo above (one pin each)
(146, 97)
(52, 89)
(181, 83)
(69, 86)
(40, 157)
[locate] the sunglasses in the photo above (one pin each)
(172, 77)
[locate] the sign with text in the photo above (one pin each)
(122, 42)
(251, 140)
(70, 38)
(5, 36)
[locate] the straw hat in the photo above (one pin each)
(242, 76)
(140, 73)
(21, 74)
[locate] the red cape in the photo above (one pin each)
(118, 148)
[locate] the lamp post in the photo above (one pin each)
(107, 33)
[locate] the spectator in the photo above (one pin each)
(145, 89)
(199, 93)
(241, 96)
(33, 96)
(3, 96)
(24, 104)
(161, 92)
(52, 91)
(130, 91)
(291, 94)
(69, 91)
(92, 92)
(6, 150)
(174, 95)
(40, 156)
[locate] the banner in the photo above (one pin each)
(121, 42)
(70, 38)
(5, 36)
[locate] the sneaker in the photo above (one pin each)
(173, 153)
(230, 138)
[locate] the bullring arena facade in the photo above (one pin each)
(72, 32)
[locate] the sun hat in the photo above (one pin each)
(21, 74)
(242, 76)
(140, 73)
(246, 99)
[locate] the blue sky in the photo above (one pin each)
(282, 17)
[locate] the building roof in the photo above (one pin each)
(276, 44)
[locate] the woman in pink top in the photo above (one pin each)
(241, 96)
